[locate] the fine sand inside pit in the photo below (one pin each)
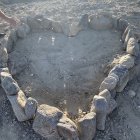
(65, 71)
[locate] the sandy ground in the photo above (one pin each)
(123, 123)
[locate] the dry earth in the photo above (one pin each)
(124, 122)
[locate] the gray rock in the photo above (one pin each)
(31, 107)
(67, 129)
(100, 106)
(18, 102)
(123, 74)
(100, 22)
(106, 94)
(23, 30)
(46, 120)
(112, 105)
(84, 21)
(87, 126)
(3, 57)
(122, 24)
(56, 26)
(127, 60)
(109, 83)
(131, 93)
(133, 47)
(9, 85)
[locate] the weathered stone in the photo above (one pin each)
(123, 74)
(87, 126)
(84, 21)
(46, 120)
(31, 107)
(56, 26)
(18, 102)
(109, 83)
(127, 60)
(9, 85)
(112, 105)
(3, 57)
(100, 22)
(23, 30)
(67, 129)
(106, 94)
(71, 29)
(133, 47)
(100, 106)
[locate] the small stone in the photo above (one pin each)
(100, 22)
(67, 129)
(106, 94)
(123, 74)
(109, 83)
(87, 126)
(45, 122)
(31, 107)
(56, 26)
(131, 93)
(23, 30)
(18, 102)
(9, 85)
(3, 57)
(133, 47)
(112, 105)
(100, 106)
(127, 60)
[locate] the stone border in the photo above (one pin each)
(49, 121)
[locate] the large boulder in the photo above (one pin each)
(67, 129)
(87, 126)
(100, 22)
(45, 122)
(9, 85)
(18, 103)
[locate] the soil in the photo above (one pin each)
(123, 123)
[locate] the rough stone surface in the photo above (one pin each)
(109, 83)
(31, 107)
(67, 129)
(3, 57)
(133, 47)
(112, 105)
(9, 85)
(106, 94)
(18, 102)
(123, 74)
(87, 126)
(23, 30)
(100, 106)
(127, 60)
(56, 26)
(71, 29)
(46, 120)
(100, 22)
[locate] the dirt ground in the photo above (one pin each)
(124, 122)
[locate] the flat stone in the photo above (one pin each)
(18, 102)
(87, 126)
(3, 57)
(67, 129)
(23, 30)
(31, 107)
(127, 60)
(109, 83)
(123, 74)
(9, 85)
(100, 22)
(45, 122)
(132, 47)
